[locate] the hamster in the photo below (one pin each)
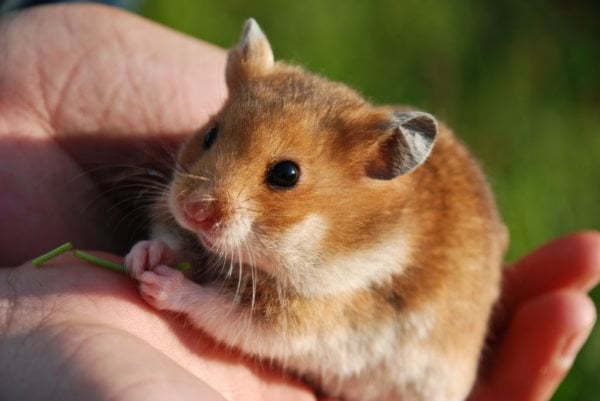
(357, 247)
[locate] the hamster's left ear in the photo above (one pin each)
(405, 145)
(251, 57)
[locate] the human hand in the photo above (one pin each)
(76, 95)
(82, 87)
(70, 332)
(82, 332)
(543, 319)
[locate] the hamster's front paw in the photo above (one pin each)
(147, 255)
(162, 287)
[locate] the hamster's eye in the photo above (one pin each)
(209, 137)
(283, 175)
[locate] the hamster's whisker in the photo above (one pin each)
(207, 198)
(193, 176)
(239, 263)
(208, 173)
(124, 171)
(137, 186)
(150, 197)
(142, 226)
(220, 260)
(179, 169)
(162, 214)
(104, 194)
(140, 182)
(248, 199)
(253, 277)
(215, 265)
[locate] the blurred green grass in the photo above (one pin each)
(518, 81)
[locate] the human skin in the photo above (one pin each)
(83, 86)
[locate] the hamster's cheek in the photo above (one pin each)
(299, 251)
(307, 234)
(237, 231)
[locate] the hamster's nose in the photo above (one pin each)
(202, 215)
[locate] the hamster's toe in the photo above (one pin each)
(162, 287)
(147, 255)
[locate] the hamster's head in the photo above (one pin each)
(295, 172)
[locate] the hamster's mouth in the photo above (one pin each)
(209, 242)
(227, 242)
(233, 268)
(237, 253)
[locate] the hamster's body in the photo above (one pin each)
(329, 236)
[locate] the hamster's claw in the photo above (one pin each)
(147, 255)
(162, 287)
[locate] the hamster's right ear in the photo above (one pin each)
(405, 145)
(251, 57)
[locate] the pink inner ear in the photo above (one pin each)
(382, 164)
(406, 147)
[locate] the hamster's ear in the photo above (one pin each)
(405, 146)
(251, 57)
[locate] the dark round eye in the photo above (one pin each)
(209, 137)
(283, 175)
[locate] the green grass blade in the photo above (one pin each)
(40, 260)
(107, 264)
(183, 266)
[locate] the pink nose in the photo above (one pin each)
(201, 215)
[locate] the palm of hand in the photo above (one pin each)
(123, 85)
(76, 95)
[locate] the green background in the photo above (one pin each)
(519, 81)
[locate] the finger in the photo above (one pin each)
(569, 262)
(539, 348)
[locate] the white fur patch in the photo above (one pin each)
(235, 232)
(313, 275)
(395, 363)
(362, 268)
(376, 364)
(299, 251)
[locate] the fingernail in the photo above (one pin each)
(570, 348)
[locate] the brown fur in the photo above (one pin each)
(444, 208)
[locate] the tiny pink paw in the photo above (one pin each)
(146, 255)
(162, 287)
